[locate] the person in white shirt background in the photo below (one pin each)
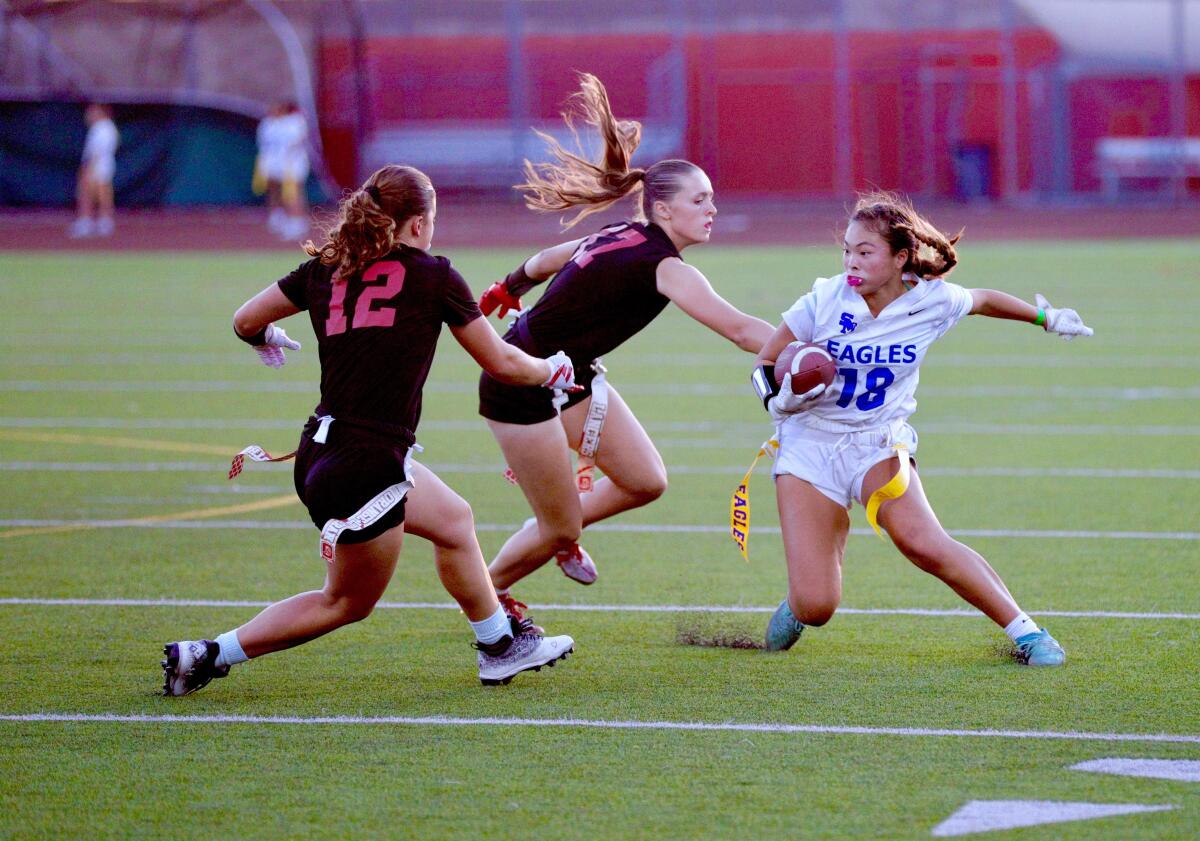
(292, 137)
(94, 186)
(851, 440)
(268, 168)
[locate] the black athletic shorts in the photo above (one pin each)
(351, 468)
(525, 404)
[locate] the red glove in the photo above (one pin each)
(497, 295)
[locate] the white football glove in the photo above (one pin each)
(787, 403)
(271, 350)
(1064, 322)
(562, 372)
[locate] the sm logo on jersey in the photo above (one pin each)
(847, 323)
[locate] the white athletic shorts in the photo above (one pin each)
(271, 164)
(836, 462)
(101, 170)
(294, 168)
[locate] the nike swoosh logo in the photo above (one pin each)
(914, 312)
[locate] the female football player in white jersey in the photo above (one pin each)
(852, 440)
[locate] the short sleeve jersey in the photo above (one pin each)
(101, 141)
(878, 357)
(605, 294)
(376, 332)
(292, 131)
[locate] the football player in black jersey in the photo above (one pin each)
(377, 301)
(605, 288)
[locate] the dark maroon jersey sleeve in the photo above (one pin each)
(458, 302)
(295, 285)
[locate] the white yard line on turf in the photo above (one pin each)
(1052, 392)
(20, 356)
(601, 608)
(683, 469)
(633, 528)
(702, 726)
(661, 427)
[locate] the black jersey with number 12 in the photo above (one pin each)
(377, 331)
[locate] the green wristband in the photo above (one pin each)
(1040, 321)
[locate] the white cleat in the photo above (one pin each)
(527, 651)
(189, 666)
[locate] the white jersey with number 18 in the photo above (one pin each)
(878, 357)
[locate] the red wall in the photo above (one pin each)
(762, 110)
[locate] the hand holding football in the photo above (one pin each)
(809, 364)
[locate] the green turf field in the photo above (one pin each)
(1072, 466)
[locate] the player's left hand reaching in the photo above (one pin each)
(562, 373)
(498, 295)
(271, 349)
(1064, 322)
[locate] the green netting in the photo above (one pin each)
(169, 155)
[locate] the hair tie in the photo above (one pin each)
(373, 192)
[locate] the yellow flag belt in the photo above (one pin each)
(739, 504)
(894, 489)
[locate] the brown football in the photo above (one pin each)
(808, 363)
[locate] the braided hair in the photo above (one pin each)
(930, 252)
(369, 219)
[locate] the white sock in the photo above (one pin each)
(1021, 626)
(493, 628)
(231, 650)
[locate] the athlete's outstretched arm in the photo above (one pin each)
(267, 306)
(781, 338)
(506, 294)
(549, 261)
(509, 363)
(253, 323)
(692, 293)
(996, 304)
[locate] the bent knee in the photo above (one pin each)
(813, 612)
(350, 610)
(560, 535)
(646, 489)
(926, 551)
(455, 523)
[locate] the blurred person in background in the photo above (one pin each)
(268, 168)
(94, 184)
(852, 440)
(294, 166)
(605, 288)
(377, 301)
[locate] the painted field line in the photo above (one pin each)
(112, 441)
(605, 608)
(944, 360)
(740, 431)
(1052, 392)
(603, 724)
(725, 429)
(168, 521)
(681, 469)
(156, 520)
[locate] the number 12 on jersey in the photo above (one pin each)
(392, 273)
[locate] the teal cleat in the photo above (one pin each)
(1039, 649)
(784, 628)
